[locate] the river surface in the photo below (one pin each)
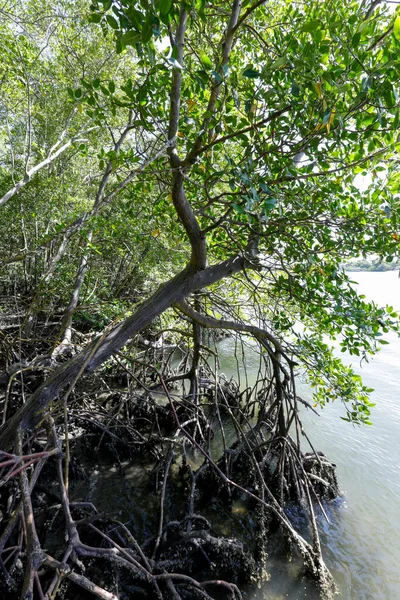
(362, 541)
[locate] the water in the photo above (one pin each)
(362, 542)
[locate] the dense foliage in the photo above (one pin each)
(268, 128)
(188, 166)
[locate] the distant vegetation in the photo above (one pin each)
(375, 265)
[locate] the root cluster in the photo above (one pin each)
(54, 545)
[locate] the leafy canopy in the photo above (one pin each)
(277, 119)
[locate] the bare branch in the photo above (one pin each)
(80, 580)
(179, 287)
(77, 224)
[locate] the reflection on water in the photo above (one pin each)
(362, 541)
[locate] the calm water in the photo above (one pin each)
(362, 542)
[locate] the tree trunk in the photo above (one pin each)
(175, 290)
(65, 330)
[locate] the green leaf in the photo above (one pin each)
(200, 5)
(311, 25)
(295, 90)
(165, 7)
(175, 63)
(135, 17)
(269, 204)
(94, 18)
(111, 86)
(175, 52)
(119, 47)
(206, 62)
(265, 188)
(155, 25)
(366, 84)
(124, 22)
(251, 73)
(147, 30)
(396, 28)
(280, 62)
(113, 23)
(326, 116)
(217, 77)
(130, 38)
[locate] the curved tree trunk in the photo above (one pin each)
(31, 414)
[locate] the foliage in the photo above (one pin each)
(371, 265)
(268, 135)
(168, 168)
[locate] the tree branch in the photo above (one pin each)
(175, 95)
(31, 414)
(212, 323)
(182, 206)
(77, 224)
(29, 174)
(251, 127)
(226, 51)
(327, 172)
(248, 12)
